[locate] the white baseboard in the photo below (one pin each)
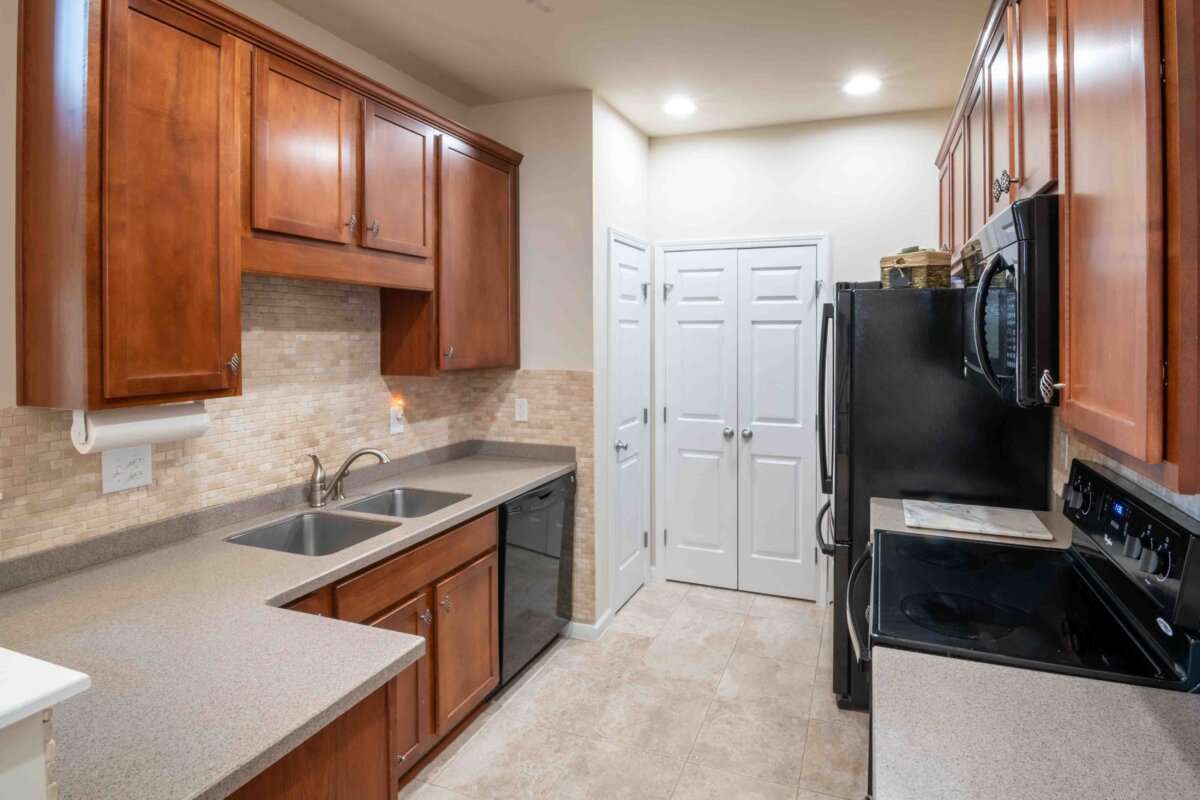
(589, 632)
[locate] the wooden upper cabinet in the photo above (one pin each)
(998, 96)
(978, 188)
(170, 271)
(477, 283)
(304, 152)
(958, 186)
(1113, 287)
(467, 644)
(410, 700)
(399, 203)
(945, 205)
(1036, 138)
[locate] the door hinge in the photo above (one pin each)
(664, 537)
(1165, 373)
(645, 538)
(664, 415)
(645, 416)
(1162, 70)
(645, 291)
(667, 287)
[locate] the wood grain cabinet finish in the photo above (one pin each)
(998, 97)
(958, 188)
(398, 182)
(946, 205)
(1036, 80)
(468, 639)
(410, 699)
(976, 184)
(129, 280)
(305, 166)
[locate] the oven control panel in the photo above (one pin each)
(1147, 539)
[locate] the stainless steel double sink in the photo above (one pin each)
(319, 533)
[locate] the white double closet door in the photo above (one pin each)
(740, 355)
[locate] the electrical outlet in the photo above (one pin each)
(521, 410)
(126, 468)
(396, 419)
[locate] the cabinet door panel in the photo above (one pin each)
(304, 152)
(477, 283)
(1037, 96)
(958, 182)
(467, 643)
(976, 181)
(945, 205)
(1113, 270)
(398, 173)
(997, 73)
(410, 697)
(170, 273)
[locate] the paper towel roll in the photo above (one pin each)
(97, 431)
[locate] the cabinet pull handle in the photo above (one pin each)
(352, 223)
(427, 617)
(234, 363)
(450, 351)
(374, 227)
(446, 604)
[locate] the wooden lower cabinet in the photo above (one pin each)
(410, 700)
(348, 759)
(467, 645)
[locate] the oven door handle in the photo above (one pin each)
(861, 655)
(822, 438)
(826, 548)
(981, 353)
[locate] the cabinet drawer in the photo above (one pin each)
(362, 596)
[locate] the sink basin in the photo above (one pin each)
(405, 502)
(312, 534)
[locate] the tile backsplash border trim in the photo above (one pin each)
(59, 561)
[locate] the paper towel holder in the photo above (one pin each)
(107, 429)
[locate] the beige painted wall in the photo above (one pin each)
(869, 182)
(555, 135)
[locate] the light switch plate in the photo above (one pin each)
(395, 419)
(521, 410)
(125, 468)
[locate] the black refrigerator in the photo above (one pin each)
(907, 424)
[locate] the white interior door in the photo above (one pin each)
(777, 478)
(630, 339)
(701, 401)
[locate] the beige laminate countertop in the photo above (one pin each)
(199, 680)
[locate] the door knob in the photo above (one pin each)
(621, 445)
(727, 432)
(747, 434)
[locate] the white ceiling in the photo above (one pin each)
(745, 62)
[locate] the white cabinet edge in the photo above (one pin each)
(29, 685)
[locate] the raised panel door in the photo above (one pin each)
(410, 698)
(467, 640)
(477, 270)
(958, 184)
(304, 153)
(997, 73)
(945, 205)
(1037, 95)
(1113, 250)
(170, 277)
(398, 182)
(976, 182)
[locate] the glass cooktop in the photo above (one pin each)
(1003, 603)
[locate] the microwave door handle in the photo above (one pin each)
(822, 438)
(981, 353)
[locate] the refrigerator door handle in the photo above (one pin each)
(861, 654)
(827, 312)
(826, 548)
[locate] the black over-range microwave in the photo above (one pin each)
(1010, 330)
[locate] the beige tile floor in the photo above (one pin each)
(691, 693)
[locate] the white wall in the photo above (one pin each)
(555, 135)
(869, 182)
(621, 192)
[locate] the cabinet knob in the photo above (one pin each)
(747, 434)
(427, 617)
(234, 363)
(450, 351)
(727, 432)
(374, 227)
(352, 223)
(1002, 185)
(400, 758)
(446, 604)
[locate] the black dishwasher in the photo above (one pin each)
(537, 538)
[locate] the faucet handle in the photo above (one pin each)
(318, 473)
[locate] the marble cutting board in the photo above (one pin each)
(1015, 522)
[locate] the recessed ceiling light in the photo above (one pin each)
(862, 84)
(680, 106)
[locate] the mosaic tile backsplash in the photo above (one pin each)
(311, 383)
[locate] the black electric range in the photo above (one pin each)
(1121, 603)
